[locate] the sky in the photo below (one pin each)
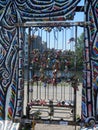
(79, 16)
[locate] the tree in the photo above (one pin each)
(79, 51)
(78, 54)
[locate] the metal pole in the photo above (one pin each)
(29, 41)
(57, 23)
(75, 64)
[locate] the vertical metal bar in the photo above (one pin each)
(49, 40)
(70, 93)
(29, 41)
(40, 90)
(56, 93)
(62, 39)
(41, 39)
(39, 35)
(75, 63)
(65, 38)
(54, 37)
(37, 88)
(46, 39)
(22, 57)
(61, 91)
(57, 38)
(45, 92)
(48, 92)
(31, 91)
(53, 92)
(75, 94)
(64, 91)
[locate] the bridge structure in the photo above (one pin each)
(20, 17)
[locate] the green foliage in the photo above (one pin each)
(79, 51)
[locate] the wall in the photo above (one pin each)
(90, 83)
(12, 42)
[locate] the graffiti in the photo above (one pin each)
(91, 58)
(9, 49)
(11, 44)
(8, 125)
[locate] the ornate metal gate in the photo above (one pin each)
(51, 80)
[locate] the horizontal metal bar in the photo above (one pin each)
(63, 106)
(49, 121)
(52, 24)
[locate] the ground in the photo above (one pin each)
(55, 127)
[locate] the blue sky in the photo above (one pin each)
(79, 15)
(81, 2)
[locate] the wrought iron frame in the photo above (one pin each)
(51, 24)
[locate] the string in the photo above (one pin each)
(65, 39)
(57, 38)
